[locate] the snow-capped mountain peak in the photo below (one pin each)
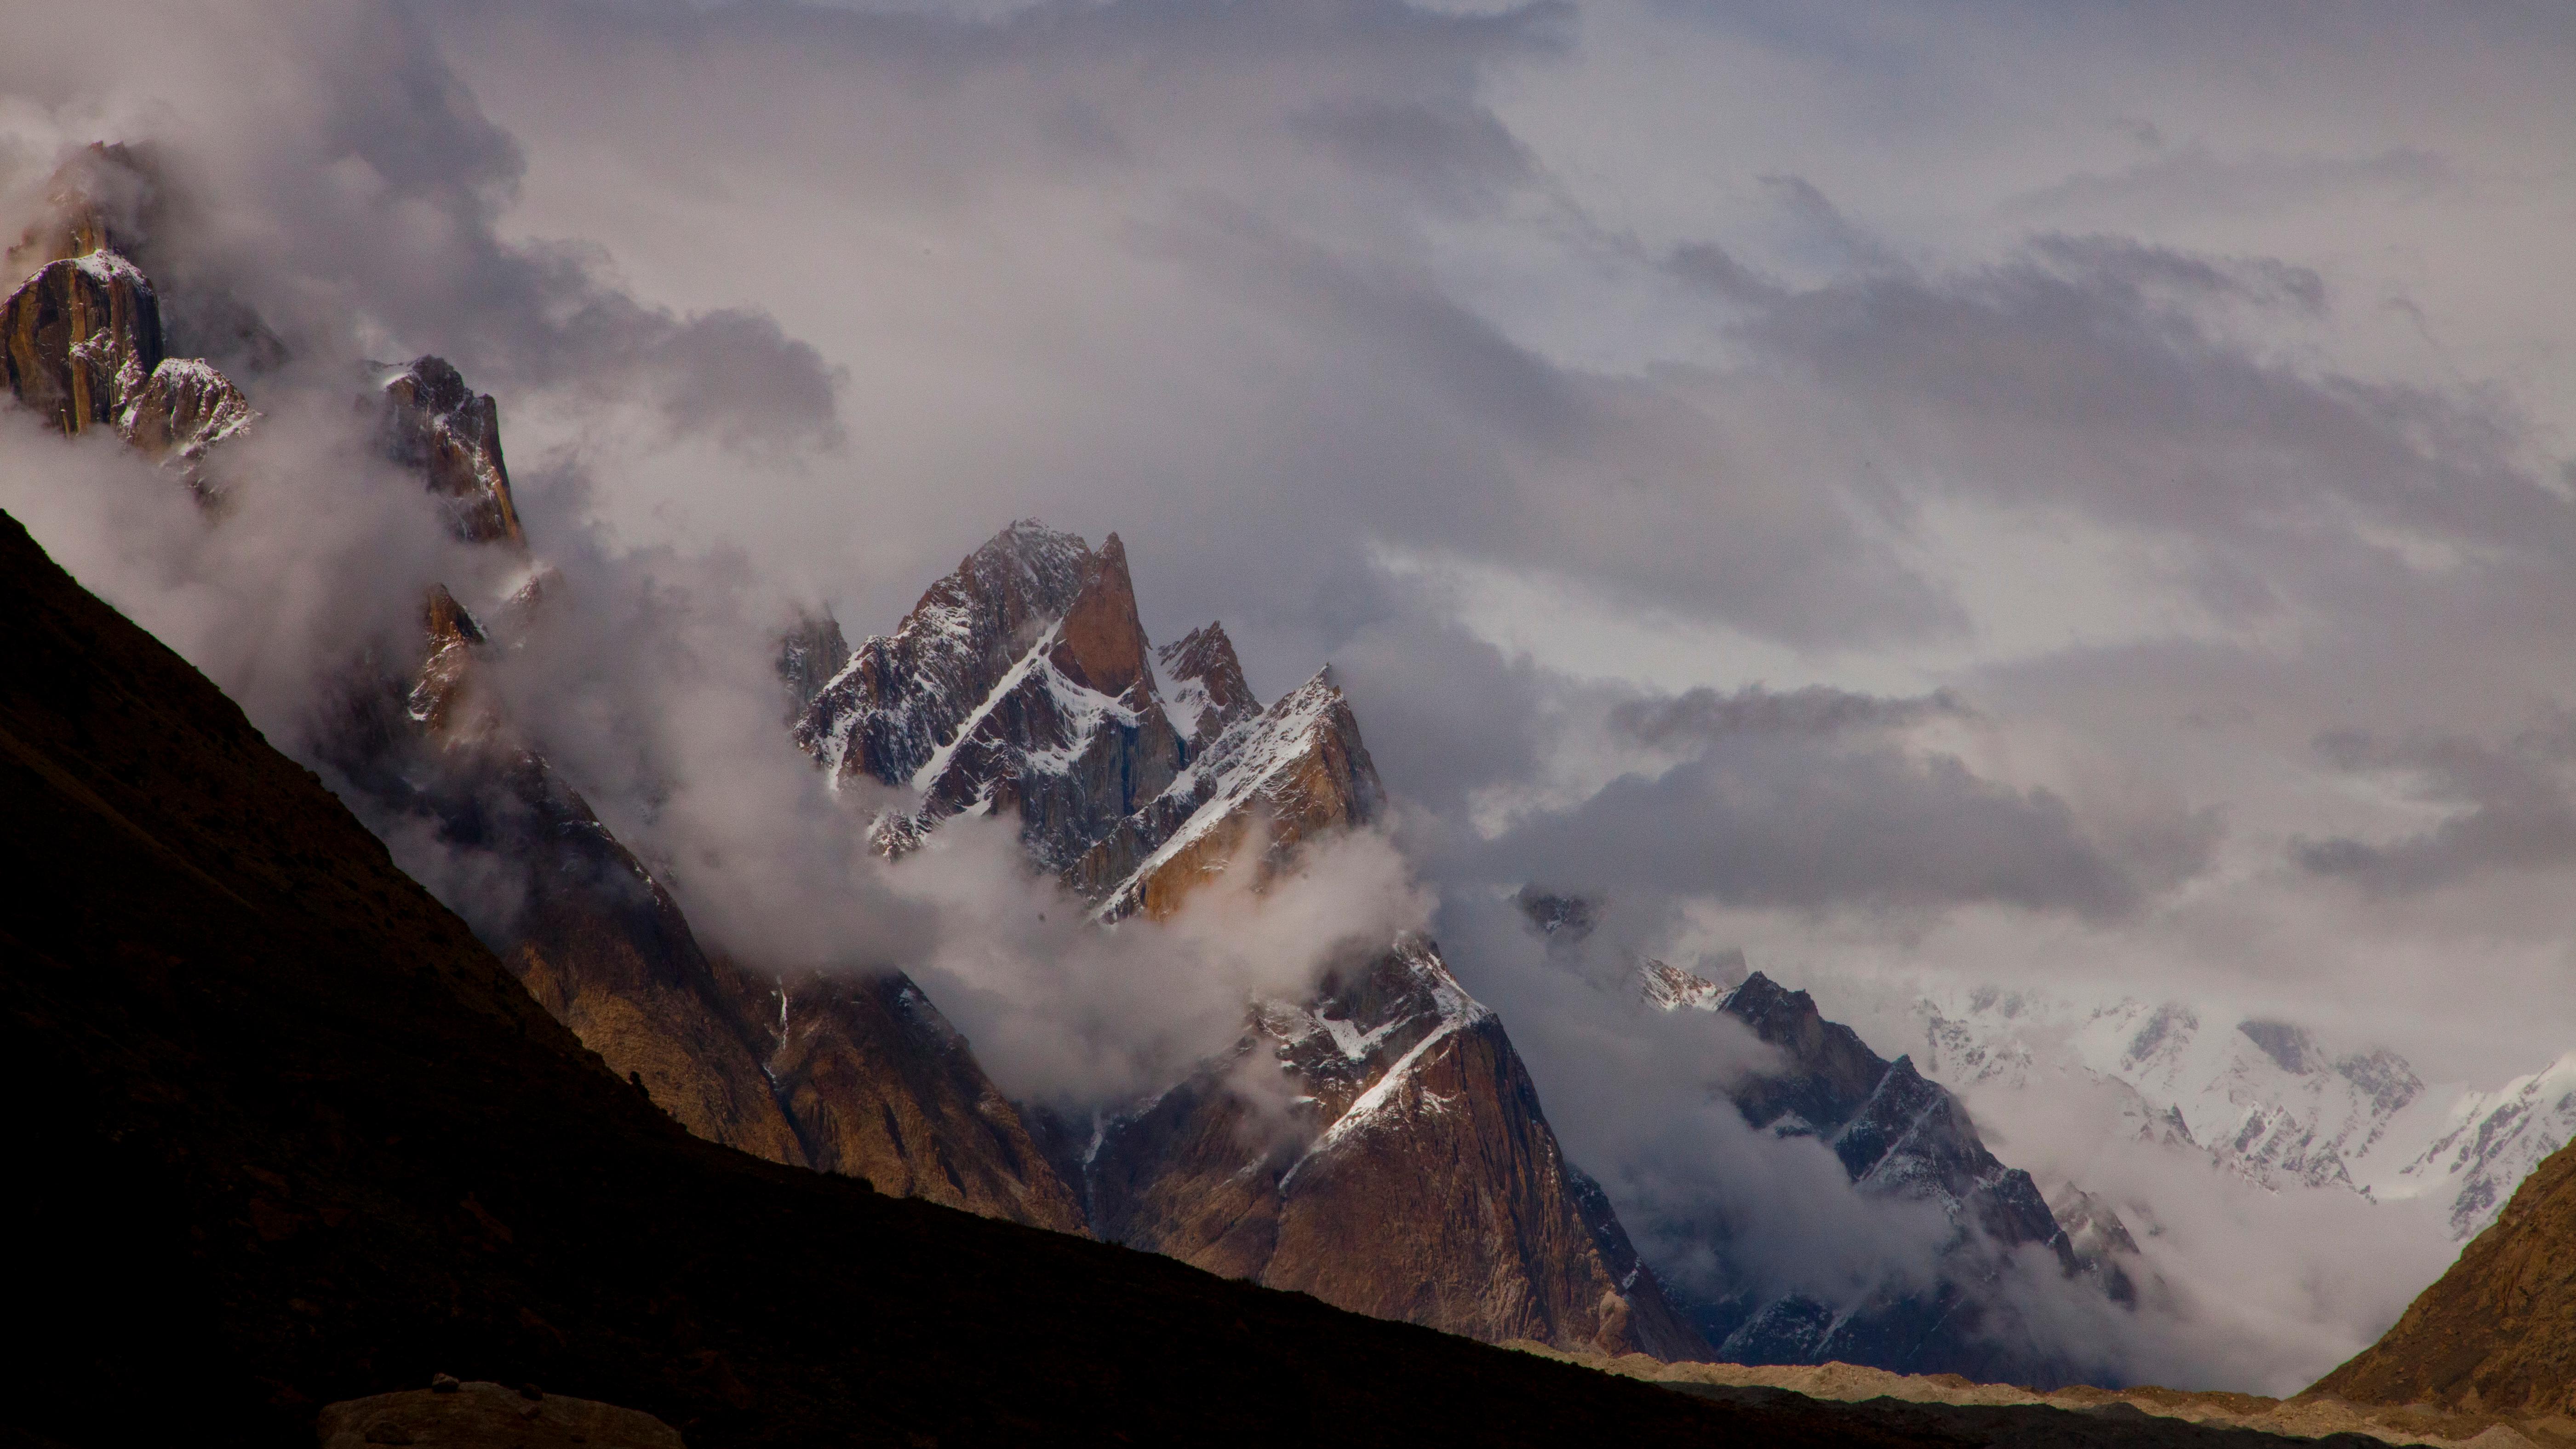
(2265, 1098)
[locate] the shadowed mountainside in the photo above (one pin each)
(303, 1139)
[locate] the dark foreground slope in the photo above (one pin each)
(287, 1134)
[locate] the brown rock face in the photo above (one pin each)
(435, 423)
(880, 1086)
(1101, 644)
(1383, 1149)
(850, 1077)
(1379, 1146)
(1297, 771)
(79, 339)
(2497, 1333)
(477, 1413)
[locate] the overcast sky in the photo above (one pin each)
(2022, 492)
(2183, 389)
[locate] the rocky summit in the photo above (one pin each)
(1900, 1136)
(1378, 1144)
(81, 339)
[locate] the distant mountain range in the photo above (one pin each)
(2264, 1098)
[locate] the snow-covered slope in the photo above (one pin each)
(2264, 1098)
(1022, 684)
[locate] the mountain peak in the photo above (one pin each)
(80, 338)
(434, 422)
(1102, 644)
(96, 201)
(1670, 988)
(1206, 688)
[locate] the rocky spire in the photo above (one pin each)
(81, 339)
(1101, 643)
(810, 654)
(1411, 1174)
(433, 422)
(1206, 688)
(1019, 685)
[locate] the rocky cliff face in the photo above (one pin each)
(854, 1076)
(1897, 1135)
(1382, 1148)
(877, 1084)
(81, 337)
(433, 423)
(1378, 1145)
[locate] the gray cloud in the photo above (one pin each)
(1780, 823)
(1811, 711)
(2194, 178)
(2513, 810)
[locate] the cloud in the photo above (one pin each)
(2509, 808)
(2194, 178)
(1815, 710)
(1813, 800)
(327, 172)
(1780, 825)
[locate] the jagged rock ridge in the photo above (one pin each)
(1896, 1135)
(298, 1116)
(1378, 1144)
(81, 338)
(853, 1075)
